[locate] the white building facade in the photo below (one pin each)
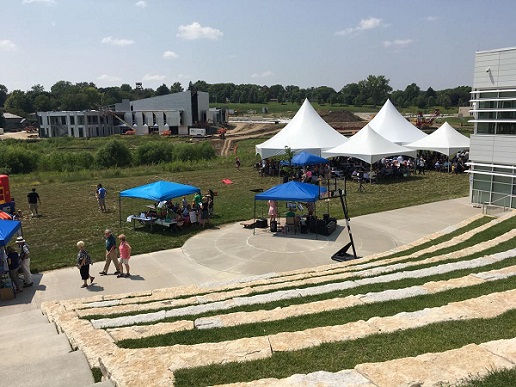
(493, 145)
(171, 114)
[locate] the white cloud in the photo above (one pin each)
(183, 76)
(196, 31)
(49, 2)
(116, 42)
(109, 78)
(398, 43)
(364, 24)
(432, 18)
(153, 77)
(265, 74)
(141, 4)
(7, 45)
(170, 55)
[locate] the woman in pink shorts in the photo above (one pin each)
(125, 253)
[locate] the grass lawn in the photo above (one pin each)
(69, 209)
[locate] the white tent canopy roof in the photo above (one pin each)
(307, 131)
(369, 146)
(444, 140)
(390, 124)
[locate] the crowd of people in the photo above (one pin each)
(385, 169)
(197, 211)
(16, 260)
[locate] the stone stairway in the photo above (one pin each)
(35, 354)
(96, 324)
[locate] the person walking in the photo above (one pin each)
(34, 201)
(24, 255)
(83, 264)
(13, 261)
(124, 250)
(101, 197)
(110, 253)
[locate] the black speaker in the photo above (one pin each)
(274, 226)
(261, 223)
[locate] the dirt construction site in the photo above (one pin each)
(243, 128)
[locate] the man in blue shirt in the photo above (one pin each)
(101, 197)
(110, 253)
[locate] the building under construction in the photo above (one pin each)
(171, 114)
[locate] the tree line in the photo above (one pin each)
(374, 91)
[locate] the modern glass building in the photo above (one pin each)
(493, 145)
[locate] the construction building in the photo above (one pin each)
(493, 145)
(171, 114)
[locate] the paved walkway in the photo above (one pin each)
(233, 252)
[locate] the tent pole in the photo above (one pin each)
(120, 210)
(254, 218)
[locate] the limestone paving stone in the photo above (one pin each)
(267, 297)
(135, 307)
(348, 378)
(503, 348)
(190, 356)
(239, 318)
(453, 283)
(291, 341)
(494, 275)
(128, 320)
(392, 294)
(142, 331)
(432, 369)
(199, 309)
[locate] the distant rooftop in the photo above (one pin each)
(12, 116)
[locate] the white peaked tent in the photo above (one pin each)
(307, 131)
(390, 124)
(444, 140)
(369, 146)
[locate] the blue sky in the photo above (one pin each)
(305, 42)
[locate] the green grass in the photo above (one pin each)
(70, 211)
(334, 357)
(495, 378)
(328, 318)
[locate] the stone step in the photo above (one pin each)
(32, 346)
(105, 383)
(70, 369)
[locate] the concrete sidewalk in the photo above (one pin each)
(233, 252)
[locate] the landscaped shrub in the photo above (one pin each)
(113, 154)
(154, 153)
(191, 152)
(66, 161)
(15, 159)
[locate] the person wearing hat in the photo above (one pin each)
(24, 255)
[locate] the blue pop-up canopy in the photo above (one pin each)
(292, 191)
(7, 229)
(157, 192)
(305, 158)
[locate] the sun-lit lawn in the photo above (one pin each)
(70, 210)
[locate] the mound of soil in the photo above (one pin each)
(338, 116)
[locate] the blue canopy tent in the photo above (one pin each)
(305, 158)
(291, 191)
(7, 229)
(157, 192)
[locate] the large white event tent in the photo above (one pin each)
(445, 140)
(369, 146)
(307, 131)
(389, 123)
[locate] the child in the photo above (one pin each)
(125, 253)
